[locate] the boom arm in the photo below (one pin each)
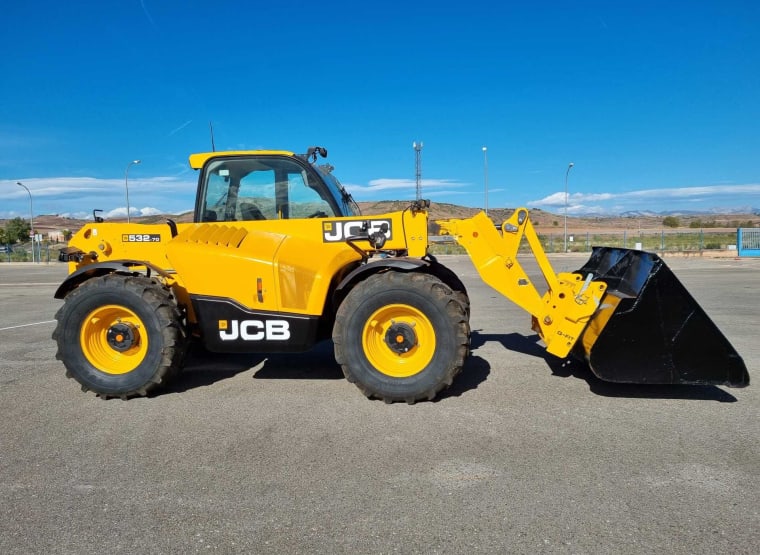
(561, 314)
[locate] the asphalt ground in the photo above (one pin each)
(279, 454)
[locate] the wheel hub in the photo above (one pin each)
(121, 337)
(400, 338)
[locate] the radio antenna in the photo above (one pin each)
(211, 128)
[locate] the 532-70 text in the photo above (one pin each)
(141, 238)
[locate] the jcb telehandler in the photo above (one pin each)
(278, 257)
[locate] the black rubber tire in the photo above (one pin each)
(449, 277)
(160, 320)
(441, 307)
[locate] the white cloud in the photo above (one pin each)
(430, 187)
(118, 213)
(80, 195)
(147, 15)
(148, 211)
(180, 128)
(664, 198)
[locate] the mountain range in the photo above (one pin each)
(545, 222)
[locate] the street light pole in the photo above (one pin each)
(126, 183)
(31, 213)
(570, 165)
(485, 169)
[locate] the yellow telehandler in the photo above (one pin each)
(279, 257)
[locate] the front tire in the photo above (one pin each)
(401, 336)
(120, 336)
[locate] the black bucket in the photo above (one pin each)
(650, 330)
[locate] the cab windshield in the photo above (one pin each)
(348, 204)
(265, 188)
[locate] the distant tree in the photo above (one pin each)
(555, 223)
(671, 221)
(699, 224)
(67, 234)
(17, 229)
(3, 237)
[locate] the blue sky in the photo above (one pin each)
(657, 104)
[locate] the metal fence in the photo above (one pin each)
(658, 241)
(650, 240)
(23, 253)
(748, 241)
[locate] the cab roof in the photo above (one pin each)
(198, 160)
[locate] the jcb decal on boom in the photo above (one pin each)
(335, 231)
(254, 330)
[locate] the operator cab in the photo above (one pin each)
(267, 185)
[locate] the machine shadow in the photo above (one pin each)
(474, 372)
(572, 367)
(204, 368)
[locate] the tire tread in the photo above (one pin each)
(160, 300)
(456, 308)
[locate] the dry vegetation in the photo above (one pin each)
(545, 222)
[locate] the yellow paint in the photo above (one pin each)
(296, 266)
(382, 357)
(95, 346)
(561, 314)
(198, 160)
(598, 322)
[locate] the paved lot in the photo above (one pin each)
(280, 454)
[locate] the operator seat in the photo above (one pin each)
(250, 211)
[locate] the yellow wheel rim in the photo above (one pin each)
(113, 339)
(398, 340)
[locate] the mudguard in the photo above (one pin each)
(84, 273)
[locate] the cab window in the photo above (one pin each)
(262, 188)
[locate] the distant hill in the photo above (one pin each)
(545, 222)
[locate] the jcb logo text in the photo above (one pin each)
(254, 330)
(336, 231)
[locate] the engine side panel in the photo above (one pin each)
(227, 327)
(280, 265)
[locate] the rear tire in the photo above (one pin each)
(120, 336)
(401, 336)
